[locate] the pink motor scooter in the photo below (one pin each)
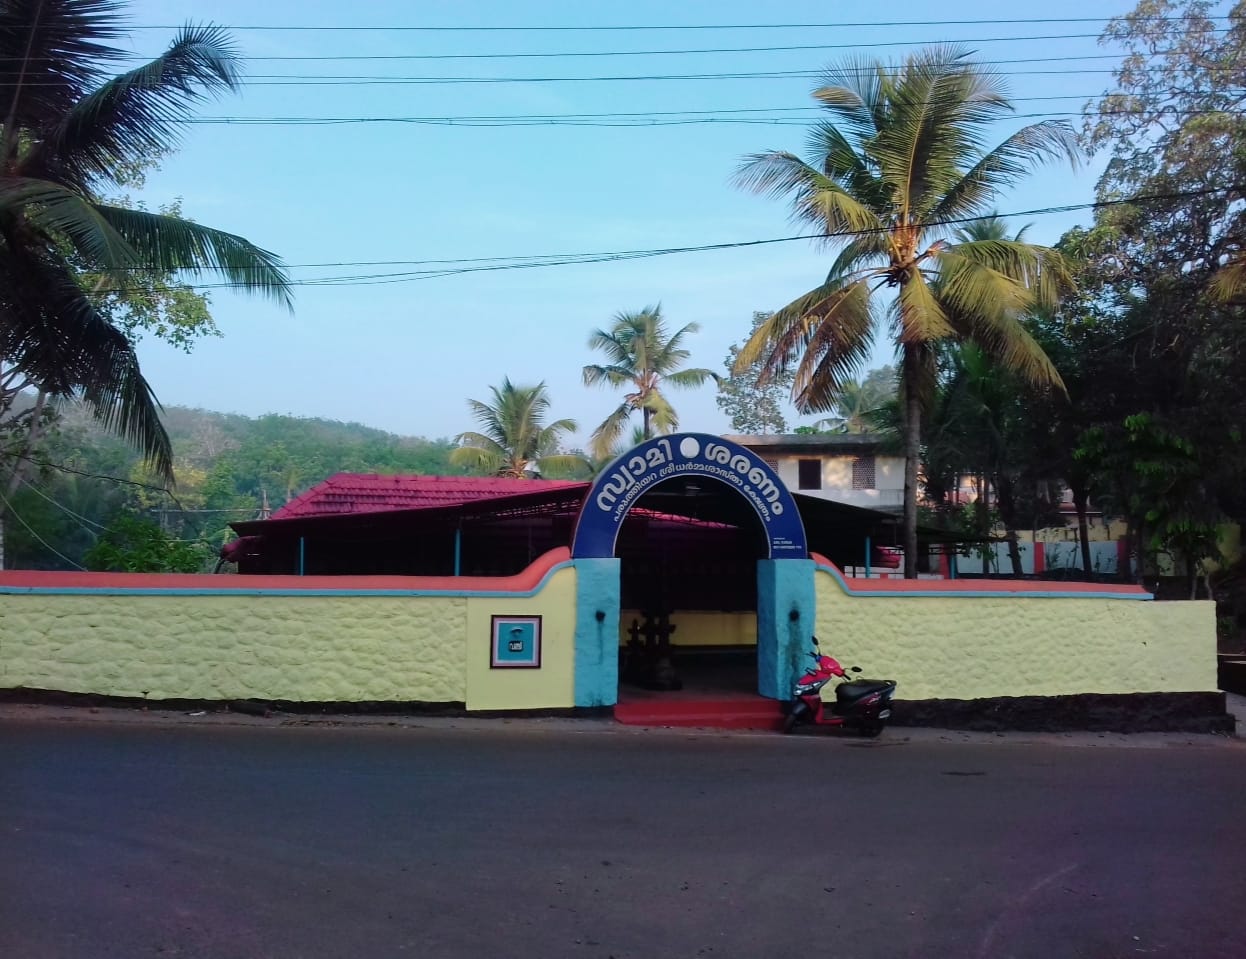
(863, 705)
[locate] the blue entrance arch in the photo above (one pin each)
(623, 482)
(785, 595)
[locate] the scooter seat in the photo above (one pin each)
(860, 688)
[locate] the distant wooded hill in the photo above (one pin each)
(225, 465)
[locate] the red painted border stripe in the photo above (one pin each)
(954, 586)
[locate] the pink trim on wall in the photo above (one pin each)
(954, 586)
(526, 581)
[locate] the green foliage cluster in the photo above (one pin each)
(136, 545)
(752, 400)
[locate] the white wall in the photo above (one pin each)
(837, 479)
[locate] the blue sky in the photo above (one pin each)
(404, 356)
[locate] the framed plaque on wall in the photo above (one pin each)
(516, 642)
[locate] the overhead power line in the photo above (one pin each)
(441, 268)
(82, 520)
(668, 27)
(697, 51)
(39, 539)
(657, 119)
(335, 80)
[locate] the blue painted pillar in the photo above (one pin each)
(458, 550)
(302, 554)
(785, 617)
(596, 632)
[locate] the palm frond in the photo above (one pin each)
(169, 244)
(940, 108)
(979, 189)
(597, 375)
(816, 197)
(856, 91)
(51, 53)
(826, 334)
(138, 114)
(662, 415)
(474, 456)
(848, 166)
(985, 305)
(58, 339)
(606, 436)
(1229, 282)
(921, 315)
(1043, 271)
(690, 379)
(565, 463)
(868, 250)
(56, 211)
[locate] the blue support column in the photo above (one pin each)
(786, 607)
(867, 557)
(458, 550)
(302, 554)
(596, 632)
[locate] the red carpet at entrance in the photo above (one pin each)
(714, 712)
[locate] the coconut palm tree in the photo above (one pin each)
(900, 162)
(70, 132)
(641, 355)
(515, 441)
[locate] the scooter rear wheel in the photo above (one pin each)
(871, 729)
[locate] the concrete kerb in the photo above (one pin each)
(21, 713)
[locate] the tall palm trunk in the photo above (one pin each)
(647, 414)
(912, 455)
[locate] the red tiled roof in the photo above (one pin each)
(372, 493)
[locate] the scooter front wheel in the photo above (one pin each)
(790, 721)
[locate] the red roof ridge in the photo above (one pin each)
(379, 492)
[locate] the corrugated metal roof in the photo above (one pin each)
(374, 492)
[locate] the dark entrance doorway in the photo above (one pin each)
(688, 553)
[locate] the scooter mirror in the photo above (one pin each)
(856, 669)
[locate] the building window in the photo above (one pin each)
(810, 474)
(772, 463)
(863, 472)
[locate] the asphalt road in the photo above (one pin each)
(523, 842)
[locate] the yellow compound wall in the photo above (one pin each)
(303, 645)
(977, 647)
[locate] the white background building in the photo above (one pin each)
(848, 468)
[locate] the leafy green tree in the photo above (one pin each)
(901, 156)
(69, 134)
(1158, 331)
(515, 440)
(642, 356)
(136, 545)
(754, 404)
(1155, 479)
